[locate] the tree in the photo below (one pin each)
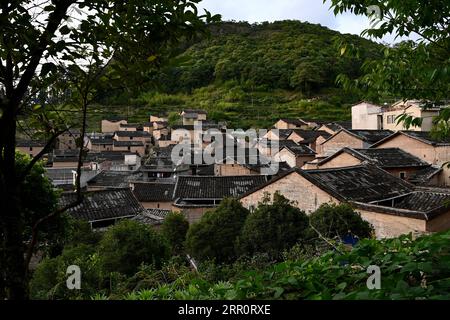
(174, 229)
(215, 235)
(273, 228)
(410, 70)
(333, 221)
(41, 43)
(49, 279)
(128, 245)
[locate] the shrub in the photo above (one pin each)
(174, 229)
(338, 220)
(80, 232)
(272, 228)
(129, 244)
(215, 235)
(49, 279)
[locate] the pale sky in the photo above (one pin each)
(314, 11)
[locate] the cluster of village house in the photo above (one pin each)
(395, 178)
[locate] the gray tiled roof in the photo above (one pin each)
(113, 179)
(300, 150)
(310, 136)
(103, 205)
(384, 158)
(362, 183)
(371, 136)
(128, 143)
(133, 134)
(195, 187)
(152, 216)
(151, 192)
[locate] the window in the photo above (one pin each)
(403, 175)
(31, 148)
(129, 148)
(391, 119)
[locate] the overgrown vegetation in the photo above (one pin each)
(131, 261)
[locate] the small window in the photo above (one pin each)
(31, 148)
(129, 148)
(403, 175)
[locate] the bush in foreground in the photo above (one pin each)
(129, 244)
(215, 235)
(273, 227)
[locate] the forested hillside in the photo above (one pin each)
(251, 75)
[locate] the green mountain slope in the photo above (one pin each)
(251, 75)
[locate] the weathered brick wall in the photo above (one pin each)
(339, 141)
(109, 126)
(223, 170)
(440, 223)
(342, 160)
(295, 188)
(390, 226)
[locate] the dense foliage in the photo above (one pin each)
(412, 69)
(273, 227)
(174, 229)
(252, 74)
(128, 244)
(289, 55)
(410, 269)
(337, 221)
(214, 236)
(38, 198)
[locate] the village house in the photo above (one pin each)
(412, 108)
(65, 178)
(313, 124)
(130, 146)
(153, 195)
(311, 138)
(30, 147)
(65, 159)
(112, 124)
(190, 116)
(102, 142)
(334, 127)
(152, 217)
(142, 136)
(194, 195)
(269, 148)
(394, 160)
(291, 124)
(424, 146)
(68, 140)
(392, 205)
(161, 134)
(367, 116)
(114, 160)
(158, 118)
(295, 155)
(112, 179)
(103, 208)
(357, 139)
(277, 134)
(130, 127)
